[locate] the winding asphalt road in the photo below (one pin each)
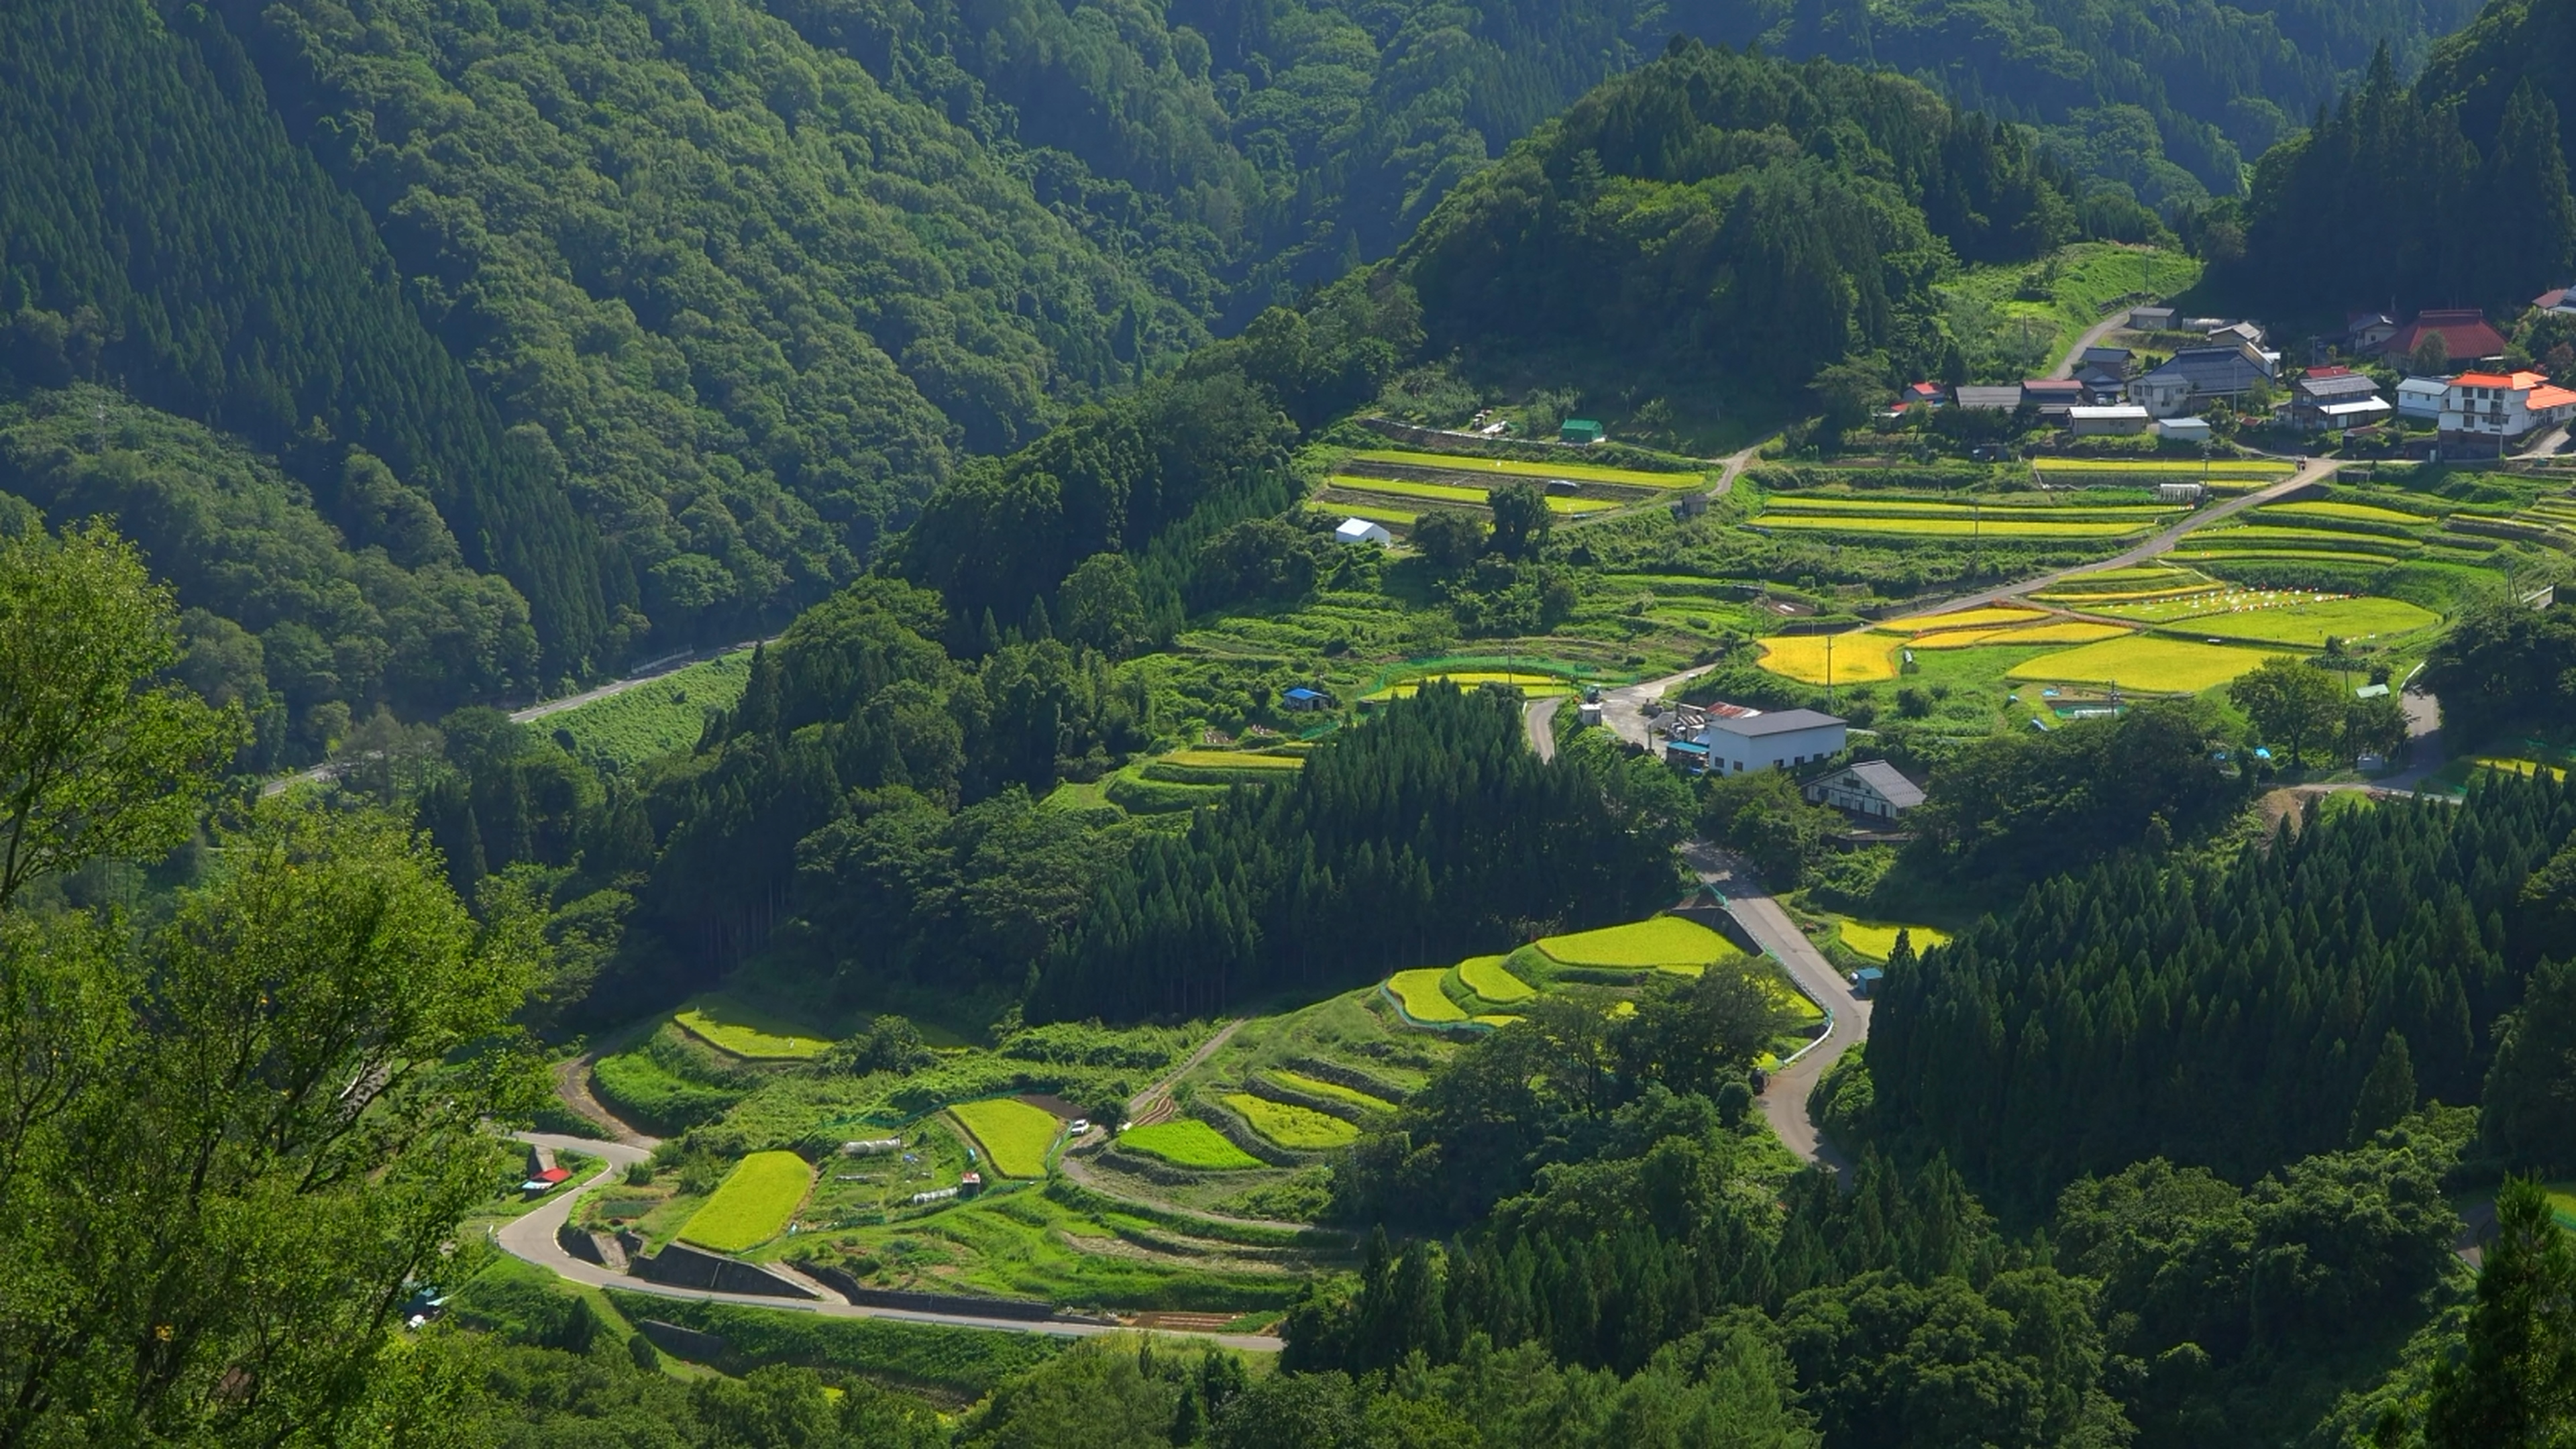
(1784, 1096)
(531, 1239)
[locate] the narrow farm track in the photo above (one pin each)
(1784, 1096)
(531, 1239)
(2317, 470)
(2092, 337)
(1539, 718)
(644, 674)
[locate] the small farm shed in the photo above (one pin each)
(2094, 422)
(1360, 530)
(1303, 699)
(1864, 982)
(2183, 430)
(1579, 430)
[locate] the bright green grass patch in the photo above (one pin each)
(1334, 1091)
(1423, 1000)
(1301, 1129)
(1875, 939)
(753, 1205)
(2357, 512)
(1486, 976)
(1950, 527)
(1188, 1142)
(1515, 468)
(2145, 662)
(1657, 941)
(1016, 1136)
(660, 717)
(728, 1025)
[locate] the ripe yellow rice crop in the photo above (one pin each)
(1419, 991)
(1953, 527)
(2358, 512)
(1655, 941)
(1487, 977)
(1015, 1135)
(1875, 939)
(2144, 662)
(1517, 468)
(1300, 1128)
(1470, 678)
(1228, 760)
(2063, 631)
(1969, 619)
(1859, 657)
(754, 1203)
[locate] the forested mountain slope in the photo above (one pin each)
(158, 226)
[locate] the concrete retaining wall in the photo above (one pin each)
(682, 1266)
(1017, 1310)
(680, 1342)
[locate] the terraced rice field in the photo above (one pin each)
(1638, 945)
(1188, 1142)
(753, 1205)
(2258, 533)
(1016, 1136)
(1330, 1091)
(1229, 760)
(1952, 526)
(2063, 631)
(2356, 512)
(1469, 679)
(1458, 495)
(1488, 978)
(1401, 516)
(2309, 622)
(1985, 618)
(1927, 508)
(2282, 555)
(1516, 468)
(730, 1026)
(1423, 1000)
(2143, 662)
(1301, 1129)
(1875, 939)
(1857, 657)
(2170, 467)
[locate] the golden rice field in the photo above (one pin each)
(1516, 468)
(1298, 1128)
(1953, 526)
(2143, 662)
(2062, 631)
(1330, 1091)
(1857, 657)
(1423, 1000)
(2356, 512)
(1655, 941)
(1927, 508)
(2288, 555)
(1458, 494)
(2323, 537)
(1487, 977)
(1875, 939)
(1228, 760)
(1470, 678)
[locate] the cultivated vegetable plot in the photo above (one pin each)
(1188, 1142)
(753, 1205)
(1301, 1129)
(1016, 1136)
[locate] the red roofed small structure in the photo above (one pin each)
(2463, 330)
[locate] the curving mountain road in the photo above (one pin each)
(1784, 1096)
(531, 1239)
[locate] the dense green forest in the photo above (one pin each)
(2237, 1016)
(163, 232)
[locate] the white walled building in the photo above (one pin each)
(1773, 740)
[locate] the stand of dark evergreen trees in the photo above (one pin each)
(2239, 1017)
(1432, 832)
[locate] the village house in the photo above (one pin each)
(2095, 422)
(2000, 399)
(2421, 397)
(2561, 300)
(2364, 333)
(1873, 788)
(2482, 410)
(2466, 337)
(1921, 394)
(2336, 397)
(2198, 374)
(2052, 395)
(1731, 741)
(2150, 319)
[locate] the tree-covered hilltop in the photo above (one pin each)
(158, 228)
(2448, 190)
(1732, 221)
(2236, 1017)
(309, 622)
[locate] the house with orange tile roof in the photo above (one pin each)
(2480, 410)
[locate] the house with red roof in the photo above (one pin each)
(2481, 410)
(2561, 300)
(2464, 332)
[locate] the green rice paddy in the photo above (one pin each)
(1639, 945)
(1488, 978)
(1016, 1136)
(1423, 1000)
(1300, 1129)
(1189, 1142)
(753, 1205)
